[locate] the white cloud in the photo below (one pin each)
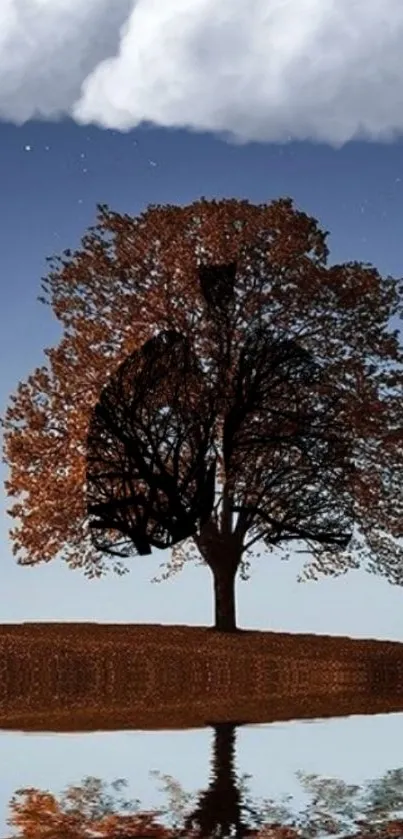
(330, 70)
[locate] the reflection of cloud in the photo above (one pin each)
(318, 69)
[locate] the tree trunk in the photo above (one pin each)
(222, 554)
(224, 598)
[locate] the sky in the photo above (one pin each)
(147, 102)
(163, 103)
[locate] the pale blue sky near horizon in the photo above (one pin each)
(151, 103)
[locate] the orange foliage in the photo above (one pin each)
(134, 277)
(39, 815)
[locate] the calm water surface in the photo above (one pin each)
(210, 764)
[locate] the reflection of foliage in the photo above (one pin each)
(82, 812)
(339, 809)
(336, 809)
(377, 802)
(178, 800)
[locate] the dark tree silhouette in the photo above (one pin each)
(219, 809)
(130, 443)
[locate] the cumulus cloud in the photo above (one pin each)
(261, 70)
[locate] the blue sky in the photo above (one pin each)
(163, 103)
(133, 103)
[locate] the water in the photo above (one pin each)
(209, 764)
(207, 735)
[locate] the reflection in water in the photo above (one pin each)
(219, 808)
(225, 810)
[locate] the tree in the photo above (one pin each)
(128, 438)
(303, 375)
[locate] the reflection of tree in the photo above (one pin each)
(348, 810)
(335, 809)
(219, 809)
(82, 812)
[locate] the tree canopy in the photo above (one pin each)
(128, 437)
(273, 294)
